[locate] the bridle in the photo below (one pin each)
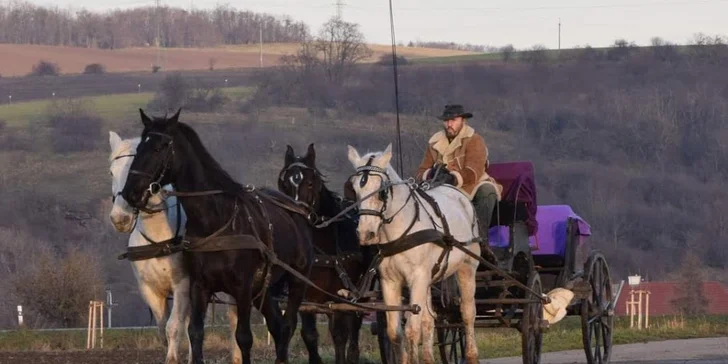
(118, 193)
(296, 185)
(155, 184)
(383, 192)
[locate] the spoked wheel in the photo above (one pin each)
(531, 335)
(451, 340)
(597, 312)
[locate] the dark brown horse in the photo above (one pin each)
(234, 233)
(301, 180)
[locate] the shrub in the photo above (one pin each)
(94, 69)
(45, 68)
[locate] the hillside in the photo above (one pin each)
(18, 59)
(636, 145)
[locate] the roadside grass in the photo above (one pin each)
(494, 343)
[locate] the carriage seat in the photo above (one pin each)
(518, 199)
(550, 244)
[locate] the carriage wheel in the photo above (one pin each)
(597, 318)
(531, 335)
(387, 352)
(451, 341)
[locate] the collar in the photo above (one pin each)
(440, 143)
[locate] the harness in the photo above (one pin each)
(219, 242)
(321, 258)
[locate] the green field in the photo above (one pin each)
(494, 343)
(108, 107)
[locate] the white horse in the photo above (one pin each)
(157, 277)
(413, 267)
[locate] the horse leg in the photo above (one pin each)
(392, 295)
(296, 292)
(157, 302)
(235, 353)
(243, 333)
(419, 295)
(310, 336)
(177, 318)
(466, 283)
(354, 327)
(199, 298)
(273, 320)
(337, 328)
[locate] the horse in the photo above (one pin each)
(241, 240)
(392, 217)
(302, 180)
(159, 276)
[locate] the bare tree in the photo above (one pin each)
(691, 299)
(341, 46)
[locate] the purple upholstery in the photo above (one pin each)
(551, 237)
(519, 185)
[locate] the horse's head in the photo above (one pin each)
(122, 154)
(373, 173)
(300, 179)
(153, 165)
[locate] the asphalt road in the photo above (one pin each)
(692, 351)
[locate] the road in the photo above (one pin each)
(692, 351)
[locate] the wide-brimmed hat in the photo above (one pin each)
(453, 111)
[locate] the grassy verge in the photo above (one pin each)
(566, 335)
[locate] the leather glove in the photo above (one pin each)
(441, 174)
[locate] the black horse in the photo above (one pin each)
(301, 180)
(234, 233)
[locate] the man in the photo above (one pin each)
(459, 156)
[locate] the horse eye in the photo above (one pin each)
(297, 178)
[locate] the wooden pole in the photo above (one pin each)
(88, 335)
(647, 311)
(93, 324)
(631, 302)
(101, 322)
(639, 311)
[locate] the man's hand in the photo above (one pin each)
(440, 174)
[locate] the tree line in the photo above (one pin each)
(26, 23)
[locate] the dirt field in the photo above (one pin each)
(17, 60)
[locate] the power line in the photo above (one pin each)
(630, 5)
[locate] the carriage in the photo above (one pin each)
(535, 245)
(533, 252)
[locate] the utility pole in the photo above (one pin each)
(559, 33)
(159, 20)
(339, 9)
(260, 41)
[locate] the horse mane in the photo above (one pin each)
(212, 169)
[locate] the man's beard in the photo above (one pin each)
(451, 134)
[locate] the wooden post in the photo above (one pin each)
(95, 313)
(101, 322)
(88, 335)
(647, 311)
(631, 302)
(639, 312)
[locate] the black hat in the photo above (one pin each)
(453, 111)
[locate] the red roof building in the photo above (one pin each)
(662, 294)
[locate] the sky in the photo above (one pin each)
(522, 23)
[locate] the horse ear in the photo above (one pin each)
(145, 119)
(114, 139)
(175, 118)
(384, 159)
(290, 156)
(310, 158)
(353, 156)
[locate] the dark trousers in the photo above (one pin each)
(484, 202)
